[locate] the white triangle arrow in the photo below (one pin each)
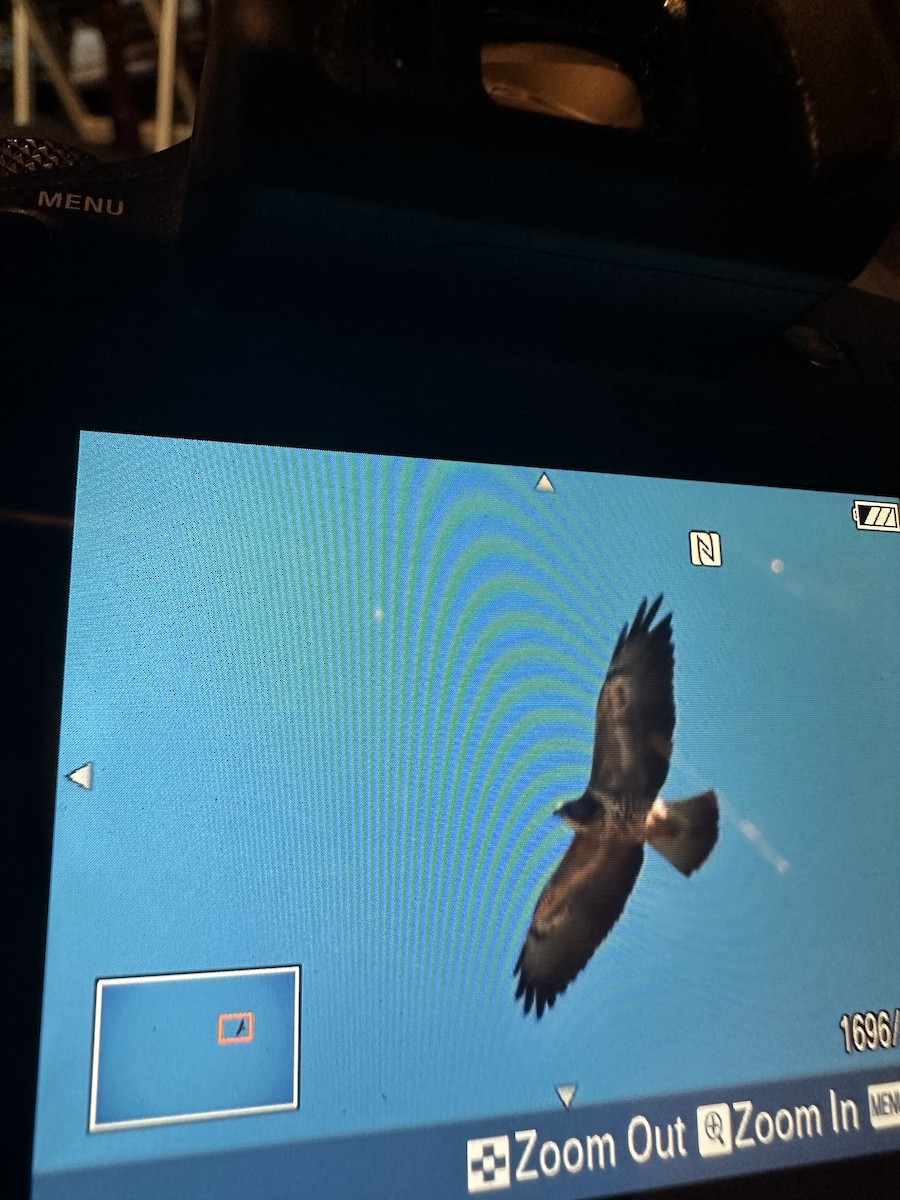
(83, 776)
(544, 484)
(566, 1093)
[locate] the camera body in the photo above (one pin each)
(385, 236)
(351, 173)
(763, 138)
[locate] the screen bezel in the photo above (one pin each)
(206, 390)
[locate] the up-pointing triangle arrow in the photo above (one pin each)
(83, 776)
(566, 1093)
(544, 484)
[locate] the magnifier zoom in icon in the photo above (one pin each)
(714, 1130)
(713, 1127)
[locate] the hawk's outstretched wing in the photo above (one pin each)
(577, 909)
(636, 711)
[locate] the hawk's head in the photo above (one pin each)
(582, 814)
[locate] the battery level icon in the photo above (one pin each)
(869, 514)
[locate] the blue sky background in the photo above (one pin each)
(333, 700)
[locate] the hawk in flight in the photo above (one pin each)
(618, 812)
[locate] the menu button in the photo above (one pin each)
(884, 1104)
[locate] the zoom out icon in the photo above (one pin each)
(488, 1165)
(714, 1136)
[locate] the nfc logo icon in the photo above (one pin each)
(706, 548)
(488, 1164)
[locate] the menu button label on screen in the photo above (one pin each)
(884, 1105)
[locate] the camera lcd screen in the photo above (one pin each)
(356, 888)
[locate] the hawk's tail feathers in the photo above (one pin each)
(685, 831)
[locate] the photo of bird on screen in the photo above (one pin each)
(619, 810)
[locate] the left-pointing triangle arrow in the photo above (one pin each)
(83, 776)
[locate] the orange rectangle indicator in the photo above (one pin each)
(235, 1027)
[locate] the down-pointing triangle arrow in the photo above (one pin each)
(566, 1093)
